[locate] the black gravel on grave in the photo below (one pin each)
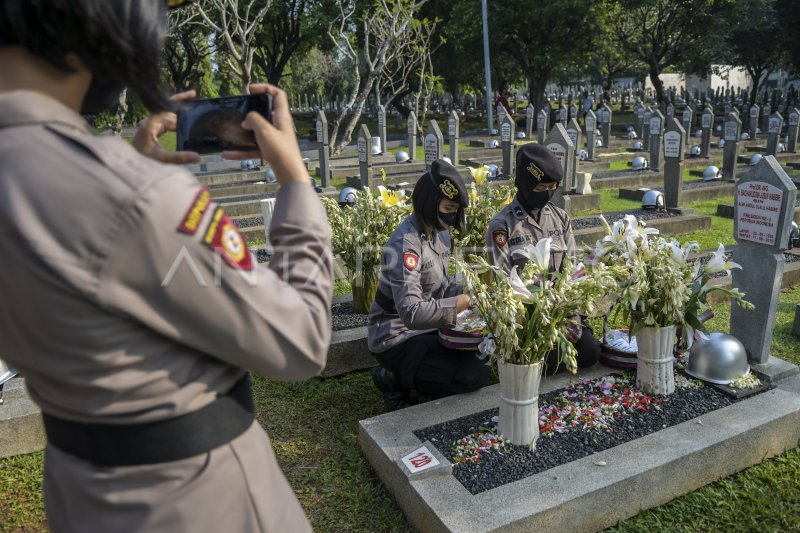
(345, 317)
(700, 184)
(603, 174)
(236, 184)
(593, 221)
(246, 198)
(513, 463)
(249, 222)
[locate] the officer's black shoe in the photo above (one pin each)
(394, 397)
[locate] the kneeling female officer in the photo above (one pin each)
(531, 217)
(415, 297)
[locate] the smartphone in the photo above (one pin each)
(215, 124)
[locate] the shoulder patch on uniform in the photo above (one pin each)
(500, 237)
(223, 236)
(194, 216)
(410, 260)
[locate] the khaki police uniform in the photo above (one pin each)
(416, 298)
(513, 229)
(128, 298)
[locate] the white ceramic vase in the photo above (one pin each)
(519, 402)
(655, 360)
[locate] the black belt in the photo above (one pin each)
(386, 303)
(173, 439)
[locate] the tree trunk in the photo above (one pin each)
(657, 84)
(537, 82)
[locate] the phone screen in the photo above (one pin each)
(215, 124)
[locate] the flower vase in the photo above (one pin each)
(364, 287)
(519, 402)
(655, 359)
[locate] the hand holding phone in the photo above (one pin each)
(277, 140)
(156, 125)
(215, 124)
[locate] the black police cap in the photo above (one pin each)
(535, 164)
(448, 182)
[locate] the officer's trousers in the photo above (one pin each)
(588, 353)
(422, 363)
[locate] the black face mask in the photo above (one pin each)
(531, 200)
(447, 220)
(103, 93)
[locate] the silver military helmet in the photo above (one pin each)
(758, 131)
(493, 172)
(520, 135)
(247, 164)
(494, 143)
(401, 157)
(583, 155)
(698, 133)
(781, 148)
(630, 129)
(347, 196)
(745, 136)
(638, 146)
(653, 199)
(494, 131)
(694, 151)
(711, 173)
(598, 143)
(718, 359)
(271, 178)
(631, 135)
(639, 163)
(718, 128)
(446, 158)
(794, 236)
(721, 143)
(6, 373)
(755, 159)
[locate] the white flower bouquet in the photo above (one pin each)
(359, 233)
(527, 312)
(662, 287)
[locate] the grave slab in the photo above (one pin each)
(21, 429)
(588, 494)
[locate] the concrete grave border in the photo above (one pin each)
(640, 474)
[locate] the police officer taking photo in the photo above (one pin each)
(416, 297)
(131, 303)
(531, 217)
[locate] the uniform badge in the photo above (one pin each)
(410, 260)
(500, 238)
(535, 171)
(448, 189)
(194, 216)
(223, 236)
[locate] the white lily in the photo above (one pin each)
(539, 254)
(718, 262)
(392, 198)
(518, 286)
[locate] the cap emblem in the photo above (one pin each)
(535, 171)
(448, 189)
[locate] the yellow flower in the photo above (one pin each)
(479, 174)
(392, 198)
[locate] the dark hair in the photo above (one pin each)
(119, 40)
(425, 200)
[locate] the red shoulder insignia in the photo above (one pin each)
(410, 260)
(500, 237)
(191, 220)
(223, 236)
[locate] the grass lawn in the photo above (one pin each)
(313, 430)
